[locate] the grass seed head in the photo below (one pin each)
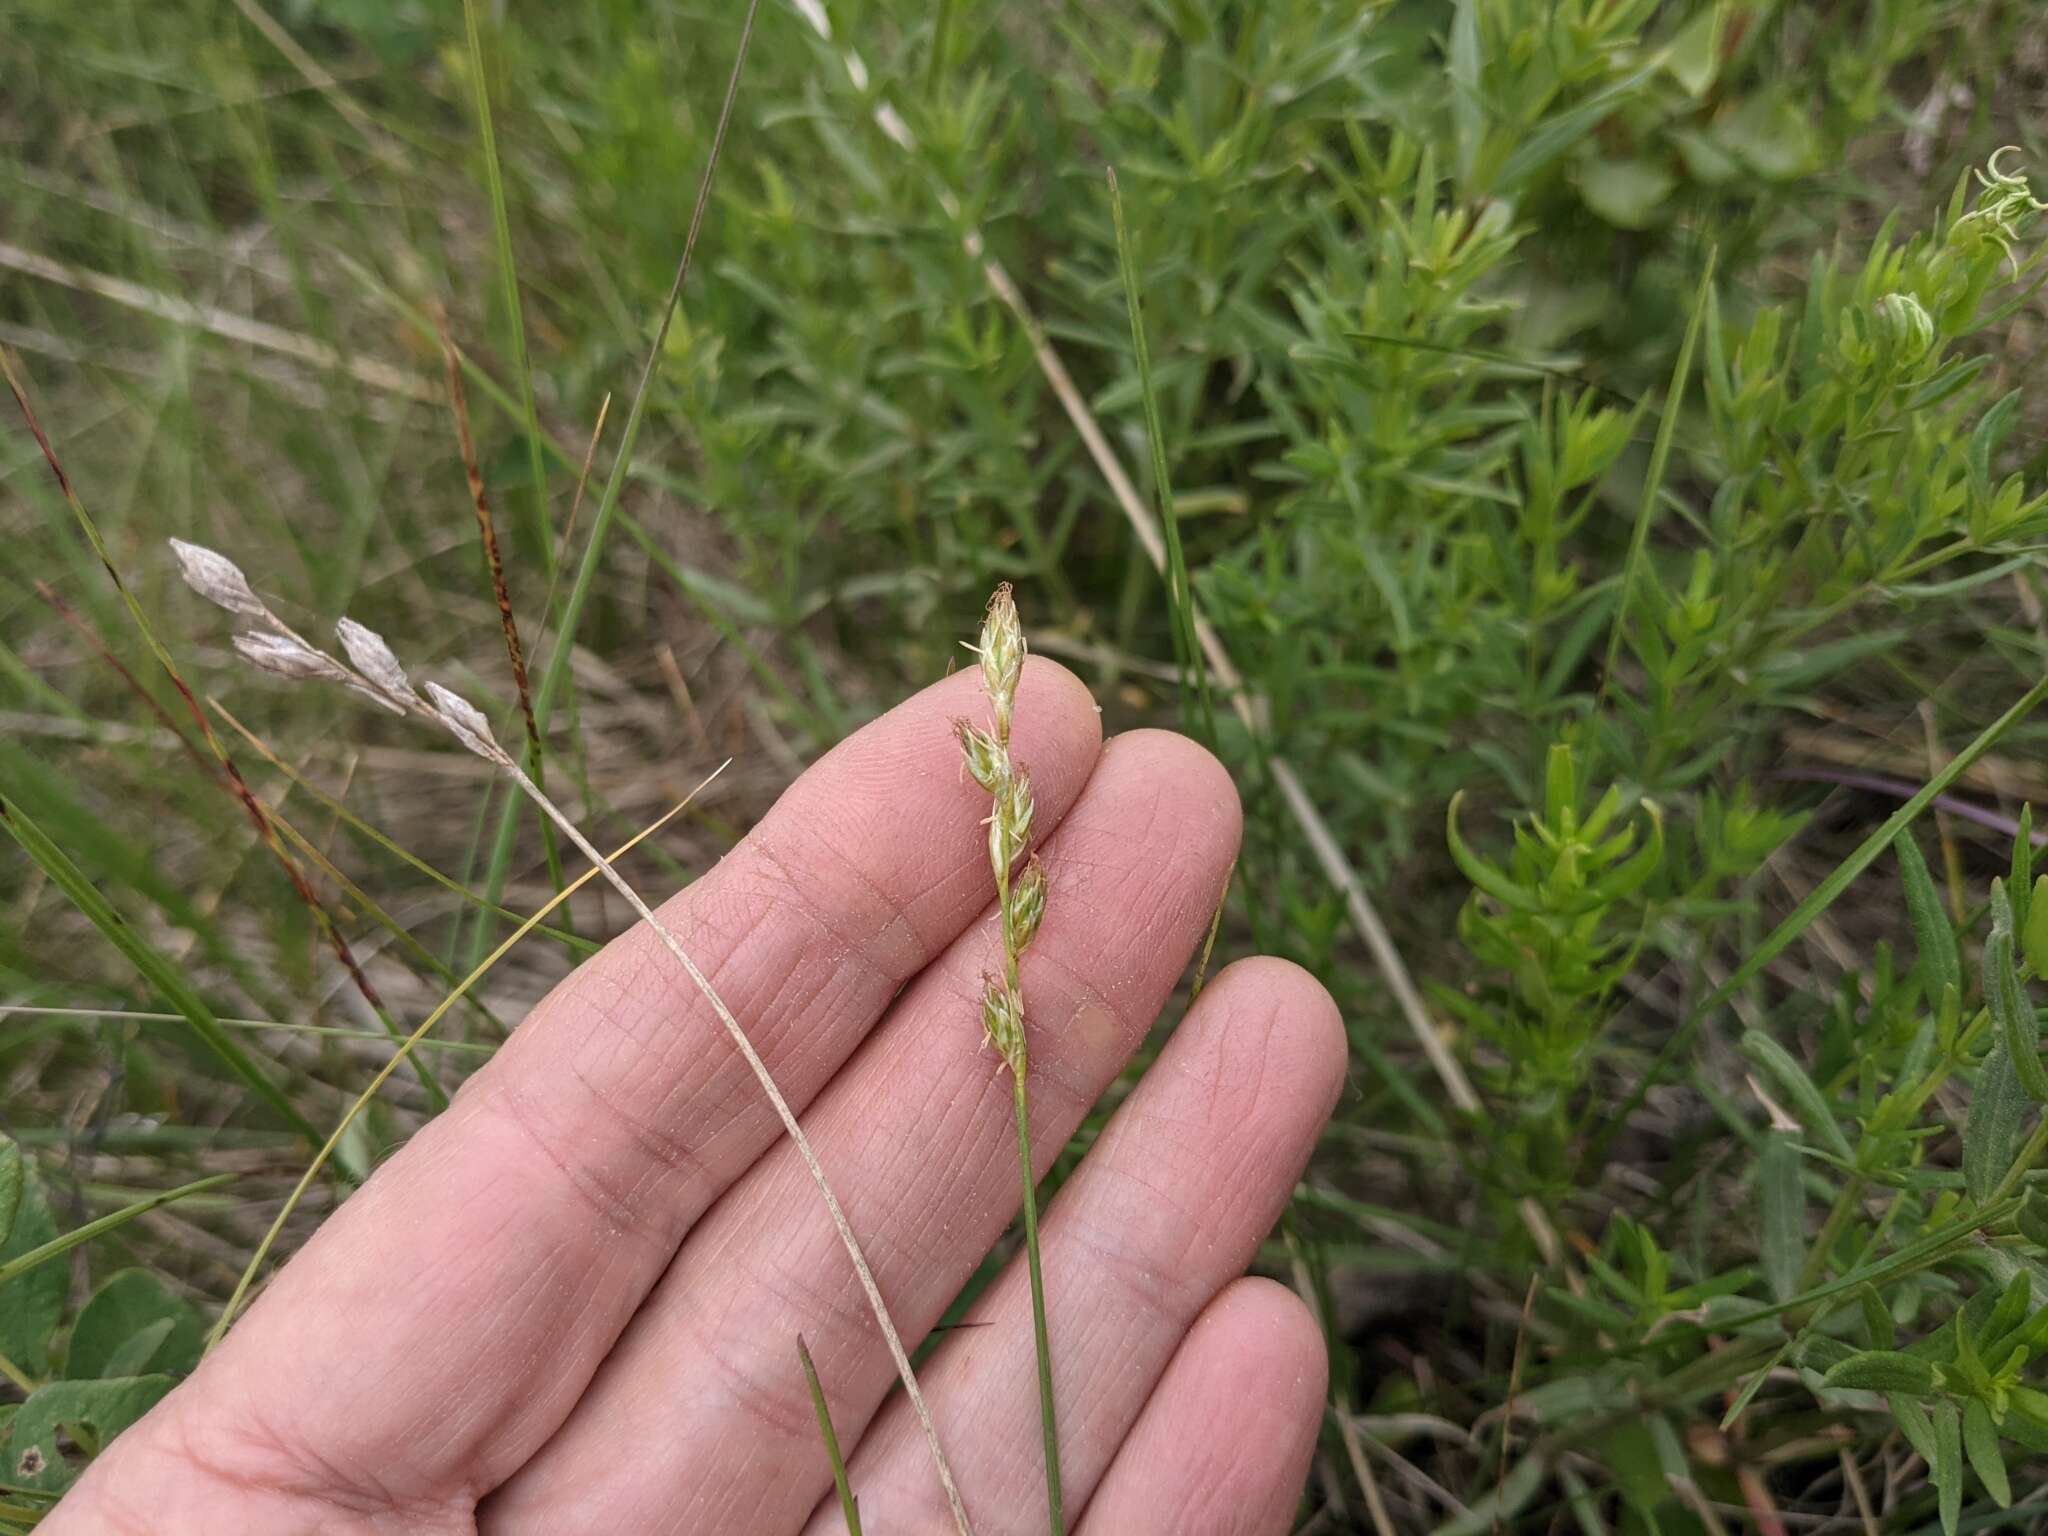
(374, 659)
(466, 723)
(218, 579)
(987, 761)
(1002, 1020)
(289, 656)
(1002, 656)
(1027, 906)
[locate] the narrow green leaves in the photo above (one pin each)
(2011, 1010)
(1883, 1370)
(1807, 1103)
(1933, 935)
(849, 1506)
(22, 1262)
(1947, 1467)
(1994, 1121)
(1783, 1200)
(1980, 1440)
(1186, 640)
(2034, 931)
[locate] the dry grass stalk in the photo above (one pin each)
(378, 674)
(487, 532)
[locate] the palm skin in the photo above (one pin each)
(571, 1303)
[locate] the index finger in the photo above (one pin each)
(439, 1327)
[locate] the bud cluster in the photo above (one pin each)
(987, 757)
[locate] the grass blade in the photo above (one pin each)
(1179, 589)
(508, 273)
(848, 1505)
(22, 1263)
(157, 970)
(557, 669)
(1653, 479)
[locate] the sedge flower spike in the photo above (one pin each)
(1020, 900)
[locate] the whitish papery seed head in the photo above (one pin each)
(374, 659)
(217, 579)
(466, 723)
(289, 656)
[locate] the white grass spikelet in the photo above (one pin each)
(218, 579)
(373, 658)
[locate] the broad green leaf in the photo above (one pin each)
(1883, 1370)
(1771, 135)
(107, 1407)
(139, 1348)
(127, 1305)
(1807, 1102)
(1980, 1439)
(30, 1302)
(1994, 1122)
(1933, 936)
(1693, 57)
(1627, 193)
(1783, 1197)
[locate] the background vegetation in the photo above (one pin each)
(1618, 415)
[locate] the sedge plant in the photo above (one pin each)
(1020, 902)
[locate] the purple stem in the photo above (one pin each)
(1901, 789)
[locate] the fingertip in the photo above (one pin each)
(1277, 1353)
(1304, 1033)
(1204, 792)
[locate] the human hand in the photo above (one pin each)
(571, 1303)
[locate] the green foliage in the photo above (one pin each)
(1396, 337)
(125, 1348)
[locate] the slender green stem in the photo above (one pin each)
(17, 1375)
(1045, 1409)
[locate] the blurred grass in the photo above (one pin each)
(1368, 245)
